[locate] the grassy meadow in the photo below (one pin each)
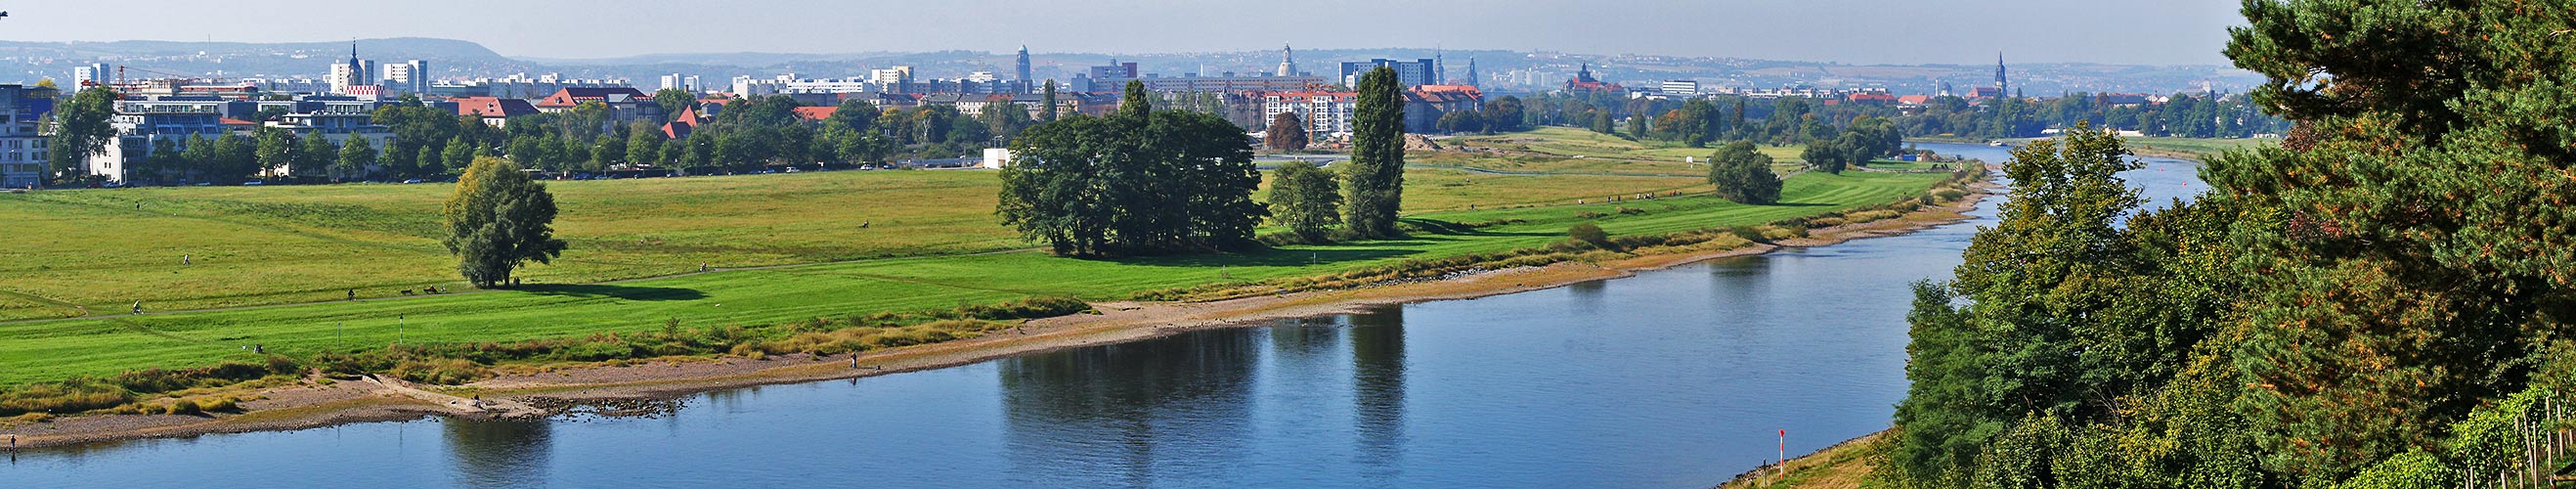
(96, 252)
(54, 349)
(271, 266)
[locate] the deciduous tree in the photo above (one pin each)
(497, 220)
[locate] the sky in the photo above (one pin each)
(1848, 31)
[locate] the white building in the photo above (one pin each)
(407, 77)
(1325, 113)
(1680, 88)
(83, 76)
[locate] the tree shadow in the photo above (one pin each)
(1432, 229)
(615, 291)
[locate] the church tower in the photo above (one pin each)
(1471, 73)
(2003, 85)
(1023, 81)
(1287, 61)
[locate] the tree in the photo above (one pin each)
(644, 145)
(1589, 234)
(1376, 176)
(1287, 132)
(431, 161)
(1307, 199)
(458, 155)
(1004, 118)
(2401, 240)
(355, 156)
(313, 155)
(858, 115)
(497, 220)
(1138, 182)
(1048, 113)
(1461, 121)
(1503, 114)
(235, 157)
(82, 126)
(674, 101)
(277, 154)
(1825, 156)
(1742, 174)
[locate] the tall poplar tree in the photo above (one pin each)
(1376, 176)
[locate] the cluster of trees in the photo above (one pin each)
(1144, 181)
(1137, 182)
(1502, 114)
(1742, 174)
(1868, 139)
(2368, 305)
(1794, 120)
(747, 135)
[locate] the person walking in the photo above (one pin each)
(138, 307)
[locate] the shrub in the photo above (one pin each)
(1589, 233)
(448, 371)
(1030, 308)
(1631, 211)
(182, 407)
(218, 404)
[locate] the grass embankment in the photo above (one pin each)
(96, 252)
(1843, 466)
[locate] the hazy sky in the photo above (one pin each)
(1854, 31)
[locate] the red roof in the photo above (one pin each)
(572, 96)
(682, 124)
(237, 122)
(815, 113)
(1914, 99)
(1872, 97)
(493, 107)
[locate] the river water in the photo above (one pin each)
(1673, 378)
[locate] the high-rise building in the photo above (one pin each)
(1023, 80)
(1112, 77)
(674, 80)
(408, 77)
(1409, 73)
(94, 74)
(1287, 61)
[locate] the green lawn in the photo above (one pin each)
(779, 224)
(94, 252)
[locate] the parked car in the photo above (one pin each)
(411, 181)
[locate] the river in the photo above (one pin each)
(1672, 378)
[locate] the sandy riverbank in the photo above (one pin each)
(326, 402)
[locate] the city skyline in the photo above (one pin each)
(1896, 33)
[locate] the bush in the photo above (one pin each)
(1589, 233)
(1030, 308)
(447, 371)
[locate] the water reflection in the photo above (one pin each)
(1377, 379)
(499, 453)
(1147, 409)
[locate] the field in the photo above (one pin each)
(96, 252)
(272, 266)
(41, 350)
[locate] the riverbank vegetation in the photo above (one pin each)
(2378, 302)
